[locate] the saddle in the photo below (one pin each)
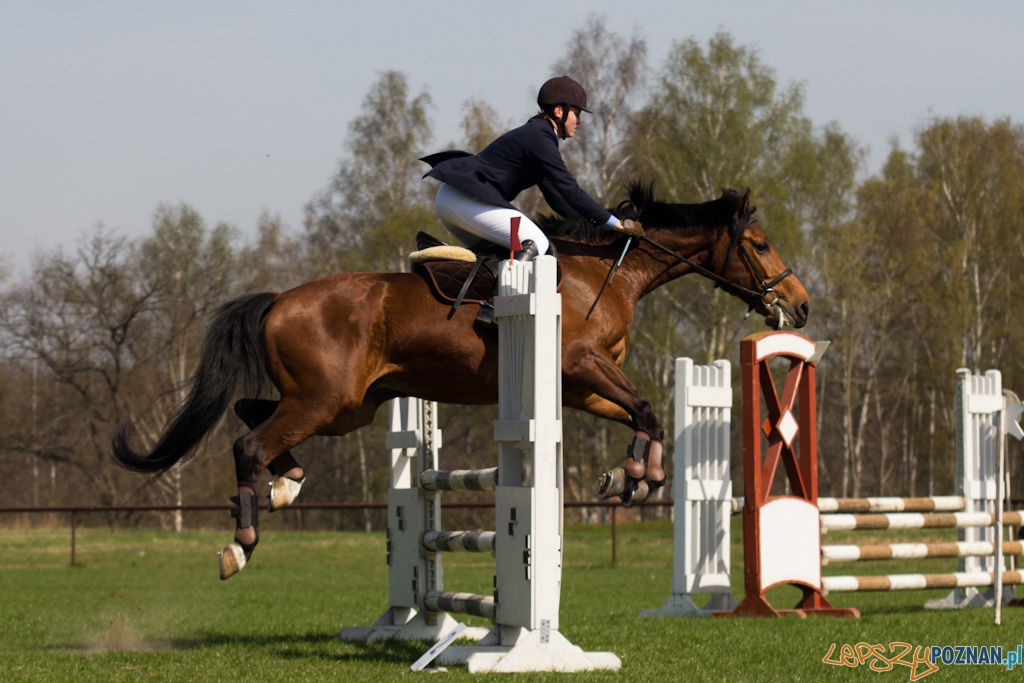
(459, 276)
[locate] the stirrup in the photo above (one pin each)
(485, 318)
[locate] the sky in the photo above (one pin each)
(236, 108)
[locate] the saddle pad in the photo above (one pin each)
(446, 278)
(443, 252)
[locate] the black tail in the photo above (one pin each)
(231, 351)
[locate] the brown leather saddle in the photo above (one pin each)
(459, 282)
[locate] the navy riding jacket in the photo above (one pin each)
(519, 159)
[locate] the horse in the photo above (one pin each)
(338, 347)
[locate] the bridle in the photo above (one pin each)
(767, 294)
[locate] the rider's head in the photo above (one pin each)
(561, 99)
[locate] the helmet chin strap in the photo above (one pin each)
(561, 122)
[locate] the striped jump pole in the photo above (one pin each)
(459, 541)
(460, 480)
(914, 582)
(913, 520)
(976, 512)
(912, 551)
(461, 603)
(891, 504)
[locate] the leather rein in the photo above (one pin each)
(737, 230)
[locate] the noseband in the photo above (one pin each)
(768, 296)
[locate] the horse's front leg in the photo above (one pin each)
(598, 386)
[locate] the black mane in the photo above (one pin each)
(650, 212)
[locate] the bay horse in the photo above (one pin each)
(338, 347)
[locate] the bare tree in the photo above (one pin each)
(612, 70)
(379, 177)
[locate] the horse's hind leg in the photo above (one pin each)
(284, 429)
(288, 474)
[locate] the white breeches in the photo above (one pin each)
(474, 221)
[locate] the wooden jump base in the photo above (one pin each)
(910, 551)
(890, 504)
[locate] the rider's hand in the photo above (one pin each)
(630, 227)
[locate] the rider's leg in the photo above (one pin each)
(464, 214)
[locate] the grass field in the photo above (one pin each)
(149, 606)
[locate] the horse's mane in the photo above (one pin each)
(650, 212)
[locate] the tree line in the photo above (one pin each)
(912, 273)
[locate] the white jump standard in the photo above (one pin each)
(528, 491)
(702, 491)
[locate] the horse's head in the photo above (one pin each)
(752, 270)
(739, 256)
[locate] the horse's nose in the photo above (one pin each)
(805, 309)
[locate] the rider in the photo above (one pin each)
(474, 199)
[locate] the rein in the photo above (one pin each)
(767, 286)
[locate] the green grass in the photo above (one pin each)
(144, 605)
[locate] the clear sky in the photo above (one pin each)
(240, 106)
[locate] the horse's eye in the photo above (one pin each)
(762, 247)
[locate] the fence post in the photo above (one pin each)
(74, 529)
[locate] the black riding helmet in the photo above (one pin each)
(564, 91)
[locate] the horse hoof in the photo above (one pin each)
(635, 494)
(611, 484)
(232, 560)
(283, 492)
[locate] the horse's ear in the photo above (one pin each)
(741, 210)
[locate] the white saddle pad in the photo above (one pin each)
(442, 253)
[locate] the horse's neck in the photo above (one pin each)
(645, 267)
(653, 267)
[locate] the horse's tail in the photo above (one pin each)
(231, 351)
